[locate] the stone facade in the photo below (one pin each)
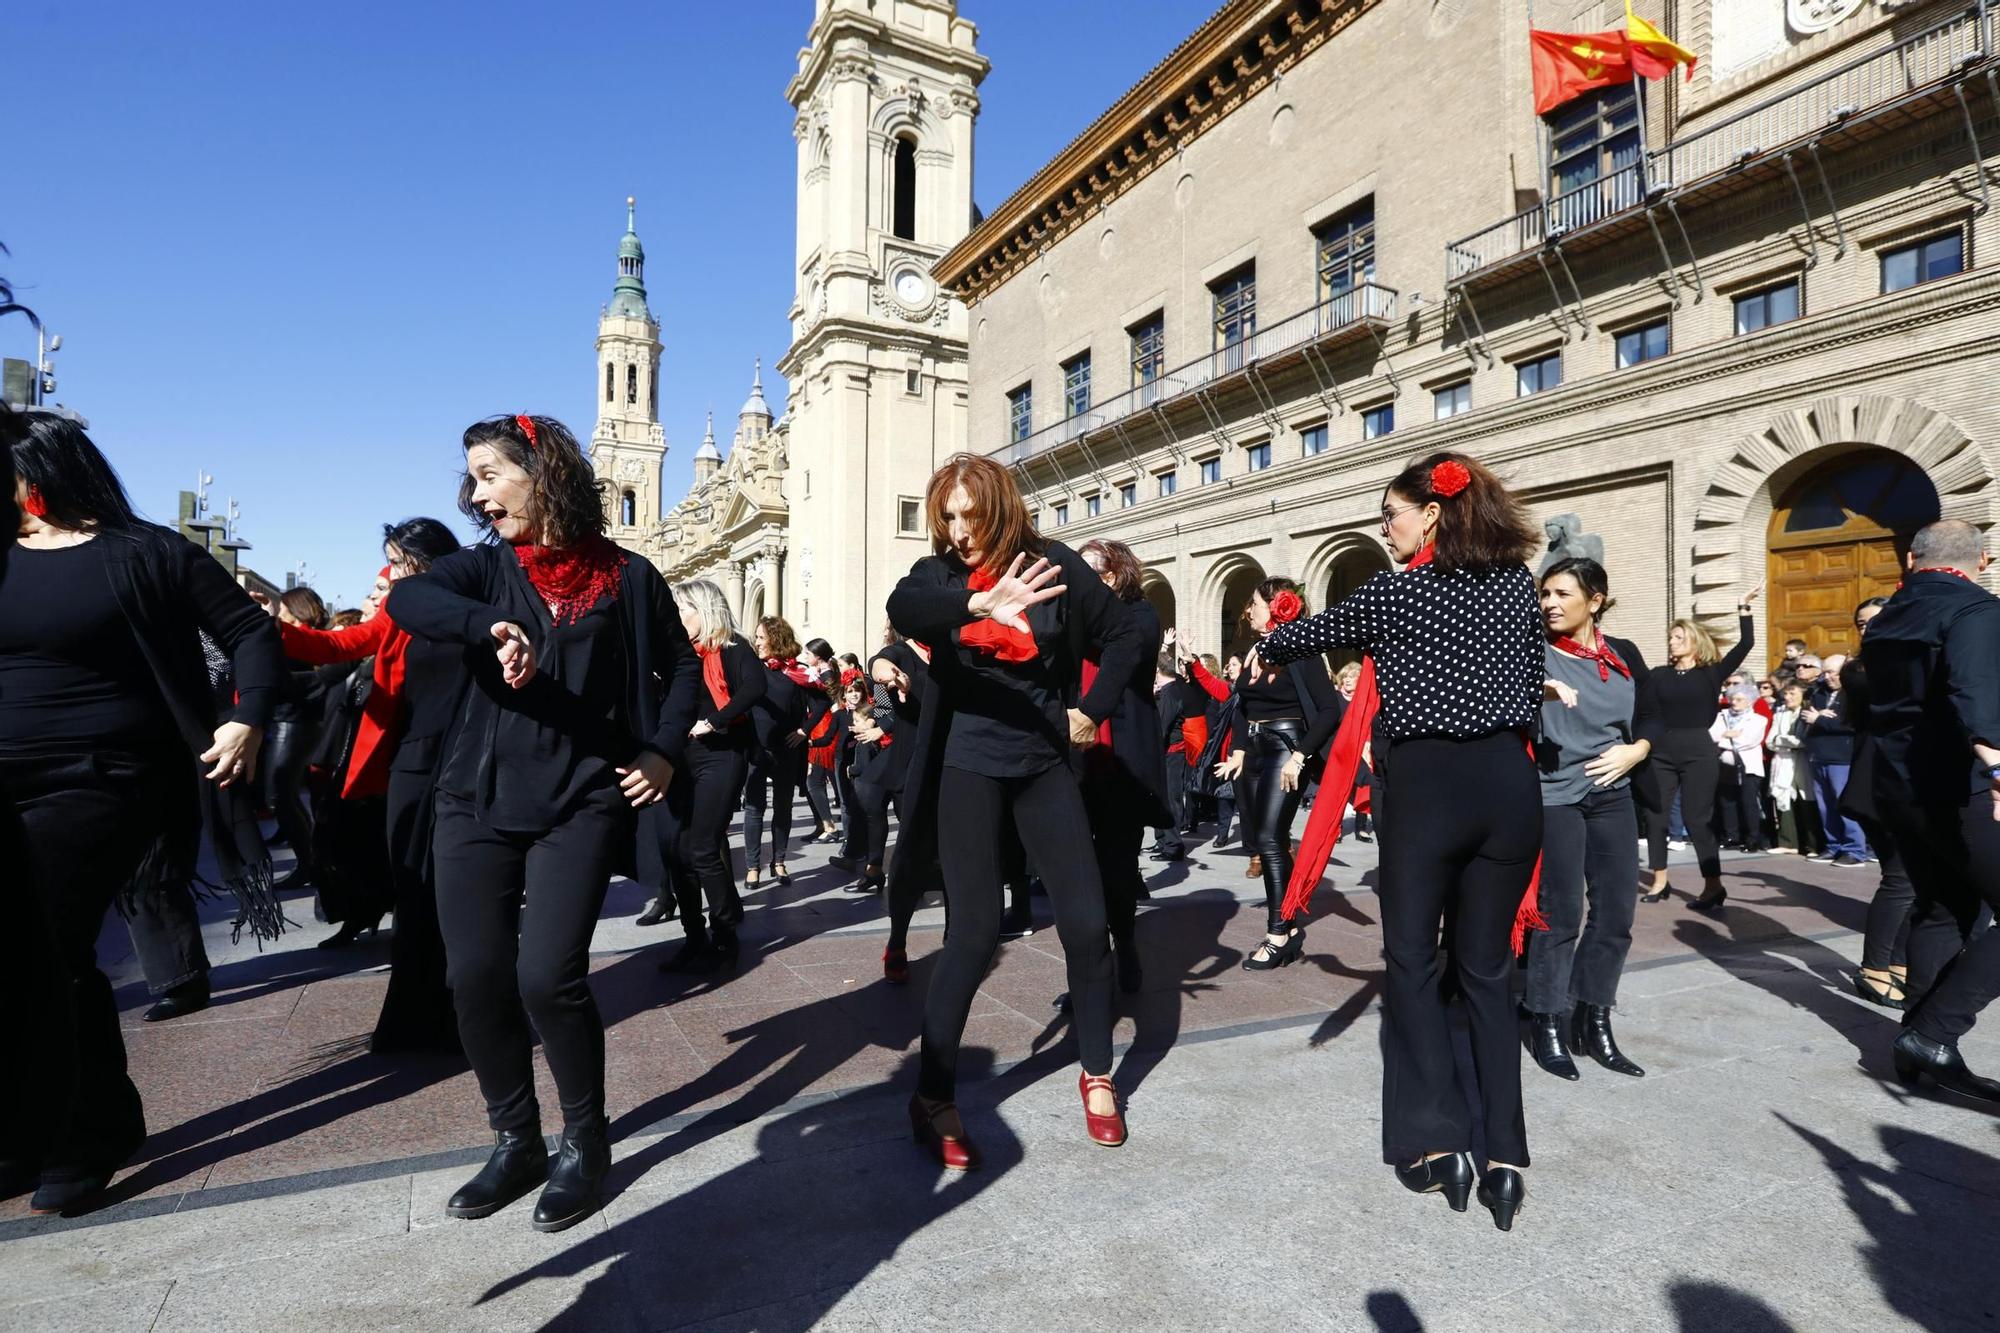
(732, 525)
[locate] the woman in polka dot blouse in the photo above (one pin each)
(1456, 640)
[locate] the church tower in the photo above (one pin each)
(707, 459)
(886, 95)
(628, 446)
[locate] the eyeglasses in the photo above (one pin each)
(1390, 515)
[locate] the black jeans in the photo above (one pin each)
(1268, 809)
(1686, 764)
(1460, 826)
(822, 806)
(697, 850)
(774, 779)
(852, 832)
(1588, 855)
(1886, 943)
(1168, 838)
(518, 910)
(1046, 810)
(1953, 856)
(287, 752)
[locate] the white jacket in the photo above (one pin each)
(1745, 749)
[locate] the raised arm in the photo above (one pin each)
(1746, 630)
(321, 647)
(1212, 685)
(925, 606)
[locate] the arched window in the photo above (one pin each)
(628, 509)
(905, 198)
(631, 384)
(609, 382)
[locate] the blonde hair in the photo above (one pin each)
(1348, 675)
(1705, 651)
(706, 601)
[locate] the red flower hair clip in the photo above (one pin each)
(1286, 607)
(1449, 478)
(527, 425)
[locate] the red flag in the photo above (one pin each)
(1567, 64)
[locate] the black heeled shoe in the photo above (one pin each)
(520, 1161)
(782, 876)
(178, 1003)
(694, 955)
(1917, 1057)
(1660, 895)
(1709, 902)
(1268, 956)
(1590, 1032)
(1450, 1175)
(1865, 987)
(349, 933)
(1017, 922)
(657, 910)
(576, 1181)
(723, 945)
(1545, 1043)
(1503, 1192)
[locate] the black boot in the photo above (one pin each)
(191, 998)
(1503, 1192)
(520, 1161)
(1590, 1032)
(1917, 1057)
(1546, 1045)
(1450, 1175)
(576, 1182)
(694, 955)
(657, 910)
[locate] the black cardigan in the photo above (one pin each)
(744, 675)
(1134, 764)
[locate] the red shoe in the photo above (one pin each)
(951, 1154)
(896, 967)
(1108, 1130)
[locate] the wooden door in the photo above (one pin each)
(1814, 590)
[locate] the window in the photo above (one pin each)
(1169, 483)
(1312, 440)
(1594, 158)
(1642, 344)
(913, 380)
(610, 383)
(628, 509)
(904, 213)
(1346, 248)
(1093, 505)
(1938, 257)
(1773, 305)
(1235, 314)
(1076, 386)
(1062, 515)
(1211, 470)
(1128, 495)
(1544, 372)
(1020, 413)
(1378, 421)
(631, 384)
(1453, 399)
(909, 516)
(1149, 355)
(1259, 456)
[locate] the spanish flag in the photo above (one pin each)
(1567, 64)
(1654, 54)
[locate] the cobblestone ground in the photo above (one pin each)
(1768, 1174)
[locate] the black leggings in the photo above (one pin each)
(817, 778)
(287, 751)
(697, 850)
(1460, 828)
(1588, 856)
(1047, 810)
(774, 779)
(1268, 810)
(1118, 831)
(1686, 763)
(518, 911)
(1886, 943)
(417, 1008)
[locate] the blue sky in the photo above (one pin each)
(302, 246)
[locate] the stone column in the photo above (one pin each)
(732, 585)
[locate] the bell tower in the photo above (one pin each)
(886, 96)
(627, 446)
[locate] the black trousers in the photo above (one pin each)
(1047, 812)
(817, 778)
(697, 838)
(1117, 833)
(286, 754)
(1168, 839)
(1686, 764)
(874, 802)
(1460, 829)
(518, 910)
(417, 1008)
(1886, 943)
(1742, 799)
(165, 928)
(1588, 856)
(1268, 809)
(852, 834)
(775, 776)
(1953, 857)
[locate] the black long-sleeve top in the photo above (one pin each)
(1456, 654)
(1829, 738)
(1687, 700)
(1932, 666)
(743, 672)
(622, 679)
(1302, 690)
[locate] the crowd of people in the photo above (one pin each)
(502, 728)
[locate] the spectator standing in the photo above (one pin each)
(1830, 748)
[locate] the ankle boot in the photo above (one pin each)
(1917, 1057)
(576, 1182)
(1546, 1044)
(1590, 1032)
(520, 1161)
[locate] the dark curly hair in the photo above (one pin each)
(780, 640)
(566, 497)
(1278, 583)
(1482, 526)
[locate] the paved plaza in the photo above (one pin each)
(1768, 1174)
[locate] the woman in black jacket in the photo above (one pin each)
(578, 712)
(105, 708)
(1008, 617)
(899, 680)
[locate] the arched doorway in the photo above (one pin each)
(1232, 634)
(1837, 536)
(1160, 594)
(1351, 568)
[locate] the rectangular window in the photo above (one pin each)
(1645, 344)
(1927, 260)
(1169, 483)
(1544, 372)
(1076, 386)
(1149, 355)
(1093, 505)
(1345, 248)
(1312, 440)
(1773, 305)
(1378, 421)
(1020, 413)
(912, 380)
(909, 516)
(1594, 158)
(1452, 400)
(1128, 495)
(1211, 470)
(1235, 315)
(1062, 515)
(1259, 455)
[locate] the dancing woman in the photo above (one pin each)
(1009, 617)
(578, 711)
(1593, 736)
(1456, 669)
(778, 760)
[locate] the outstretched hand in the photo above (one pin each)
(1007, 601)
(517, 655)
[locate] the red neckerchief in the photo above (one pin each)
(1607, 661)
(713, 676)
(789, 668)
(572, 579)
(1337, 789)
(1945, 569)
(1003, 642)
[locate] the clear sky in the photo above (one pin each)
(301, 246)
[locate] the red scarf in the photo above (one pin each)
(992, 638)
(789, 668)
(713, 676)
(1089, 679)
(1607, 661)
(572, 579)
(1337, 788)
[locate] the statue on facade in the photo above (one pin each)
(1567, 539)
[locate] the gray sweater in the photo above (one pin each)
(1572, 737)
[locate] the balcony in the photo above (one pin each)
(1868, 96)
(1364, 311)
